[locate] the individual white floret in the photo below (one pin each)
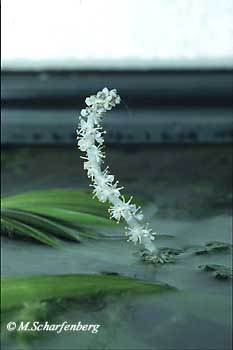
(85, 130)
(102, 193)
(108, 177)
(138, 234)
(95, 154)
(91, 100)
(115, 191)
(85, 142)
(134, 234)
(104, 101)
(98, 137)
(105, 180)
(123, 209)
(84, 127)
(91, 169)
(148, 233)
(105, 192)
(85, 112)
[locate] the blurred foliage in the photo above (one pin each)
(219, 271)
(15, 290)
(52, 215)
(16, 162)
(210, 247)
(48, 296)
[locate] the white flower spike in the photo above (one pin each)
(90, 140)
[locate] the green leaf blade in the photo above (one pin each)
(34, 289)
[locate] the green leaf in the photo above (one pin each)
(43, 288)
(68, 214)
(42, 223)
(76, 218)
(25, 230)
(77, 200)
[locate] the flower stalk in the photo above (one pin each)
(105, 188)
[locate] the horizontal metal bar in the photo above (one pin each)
(178, 125)
(152, 87)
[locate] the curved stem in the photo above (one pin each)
(90, 141)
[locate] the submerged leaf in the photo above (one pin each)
(218, 246)
(47, 297)
(209, 247)
(43, 288)
(164, 255)
(219, 271)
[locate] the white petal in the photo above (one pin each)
(105, 91)
(117, 100)
(88, 101)
(84, 112)
(113, 92)
(108, 99)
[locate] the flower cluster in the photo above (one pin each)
(104, 101)
(90, 140)
(137, 234)
(126, 210)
